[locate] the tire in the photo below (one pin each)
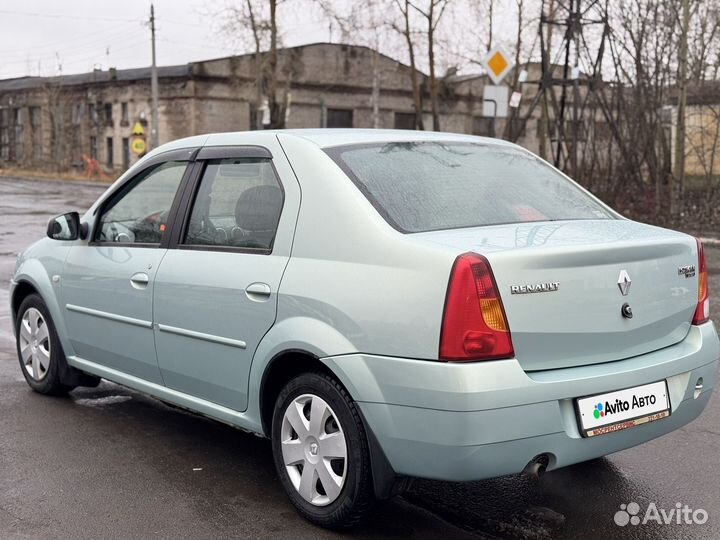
(328, 508)
(41, 347)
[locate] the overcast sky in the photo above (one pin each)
(44, 37)
(37, 35)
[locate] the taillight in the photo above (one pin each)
(474, 325)
(702, 312)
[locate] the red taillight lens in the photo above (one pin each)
(702, 312)
(474, 325)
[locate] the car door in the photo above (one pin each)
(216, 289)
(107, 283)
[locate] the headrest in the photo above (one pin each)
(258, 208)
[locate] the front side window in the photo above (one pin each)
(426, 186)
(139, 215)
(238, 205)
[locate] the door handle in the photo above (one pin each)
(258, 292)
(139, 280)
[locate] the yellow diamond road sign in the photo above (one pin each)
(497, 63)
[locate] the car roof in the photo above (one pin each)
(325, 138)
(329, 137)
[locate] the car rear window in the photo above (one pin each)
(426, 186)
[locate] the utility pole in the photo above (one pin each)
(679, 172)
(154, 138)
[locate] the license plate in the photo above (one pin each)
(623, 409)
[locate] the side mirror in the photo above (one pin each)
(66, 227)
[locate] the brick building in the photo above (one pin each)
(51, 122)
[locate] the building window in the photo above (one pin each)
(18, 122)
(108, 115)
(602, 131)
(404, 120)
(126, 153)
(576, 128)
(484, 126)
(76, 114)
(36, 129)
(253, 113)
(109, 157)
(93, 147)
(92, 112)
(124, 116)
(4, 135)
(339, 118)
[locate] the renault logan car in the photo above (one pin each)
(382, 305)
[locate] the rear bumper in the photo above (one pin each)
(467, 422)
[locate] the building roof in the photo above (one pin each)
(142, 73)
(96, 76)
(314, 44)
(699, 93)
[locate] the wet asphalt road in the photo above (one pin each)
(111, 463)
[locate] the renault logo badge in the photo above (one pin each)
(624, 282)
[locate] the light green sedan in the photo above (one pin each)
(383, 305)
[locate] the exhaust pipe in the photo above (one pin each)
(536, 466)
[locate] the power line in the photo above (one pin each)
(92, 18)
(63, 16)
(51, 57)
(78, 46)
(54, 44)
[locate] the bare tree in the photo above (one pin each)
(522, 25)
(703, 141)
(543, 134)
(56, 108)
(362, 24)
(255, 23)
(704, 41)
(404, 28)
(679, 172)
(652, 114)
(642, 53)
(432, 11)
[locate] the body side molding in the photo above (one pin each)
(203, 336)
(110, 316)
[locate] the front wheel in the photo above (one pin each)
(321, 451)
(38, 347)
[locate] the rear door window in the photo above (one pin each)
(237, 205)
(425, 186)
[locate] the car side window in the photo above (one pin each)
(238, 205)
(139, 215)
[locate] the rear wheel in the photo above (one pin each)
(38, 347)
(321, 452)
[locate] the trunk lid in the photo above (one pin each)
(575, 316)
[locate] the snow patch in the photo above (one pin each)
(103, 401)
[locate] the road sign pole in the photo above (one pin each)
(494, 116)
